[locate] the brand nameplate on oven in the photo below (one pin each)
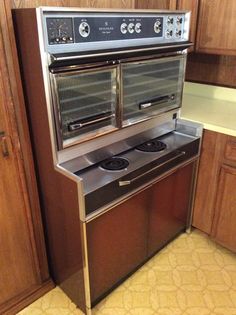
(109, 28)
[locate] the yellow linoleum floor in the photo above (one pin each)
(191, 276)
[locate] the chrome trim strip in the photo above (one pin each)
(193, 193)
(134, 11)
(76, 126)
(122, 199)
(46, 82)
(86, 268)
(54, 58)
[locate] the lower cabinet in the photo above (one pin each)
(215, 202)
(223, 230)
(123, 238)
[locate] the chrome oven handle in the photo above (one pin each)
(131, 181)
(78, 125)
(156, 101)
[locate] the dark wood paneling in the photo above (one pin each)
(211, 158)
(211, 69)
(117, 243)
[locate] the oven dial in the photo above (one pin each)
(157, 27)
(138, 27)
(84, 29)
(179, 20)
(124, 28)
(170, 20)
(178, 33)
(169, 33)
(131, 28)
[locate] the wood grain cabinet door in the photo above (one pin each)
(217, 27)
(224, 225)
(117, 243)
(19, 272)
(213, 144)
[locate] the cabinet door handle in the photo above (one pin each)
(4, 145)
(131, 181)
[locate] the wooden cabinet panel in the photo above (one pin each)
(225, 215)
(155, 4)
(117, 243)
(169, 207)
(230, 149)
(74, 3)
(210, 161)
(20, 270)
(24, 272)
(125, 4)
(216, 27)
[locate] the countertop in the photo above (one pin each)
(214, 107)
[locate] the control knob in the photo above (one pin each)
(124, 28)
(138, 27)
(84, 29)
(170, 20)
(179, 20)
(178, 33)
(131, 28)
(157, 27)
(169, 33)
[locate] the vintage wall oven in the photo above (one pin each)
(115, 164)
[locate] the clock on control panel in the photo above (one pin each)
(60, 31)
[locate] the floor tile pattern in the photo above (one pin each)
(191, 276)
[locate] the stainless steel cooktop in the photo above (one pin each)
(102, 186)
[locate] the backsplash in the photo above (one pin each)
(210, 91)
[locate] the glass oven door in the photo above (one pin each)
(85, 104)
(151, 87)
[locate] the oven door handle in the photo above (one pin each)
(80, 124)
(156, 101)
(131, 181)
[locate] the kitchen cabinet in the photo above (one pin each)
(155, 4)
(123, 238)
(126, 4)
(24, 270)
(216, 27)
(209, 167)
(215, 203)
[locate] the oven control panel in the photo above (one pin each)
(89, 31)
